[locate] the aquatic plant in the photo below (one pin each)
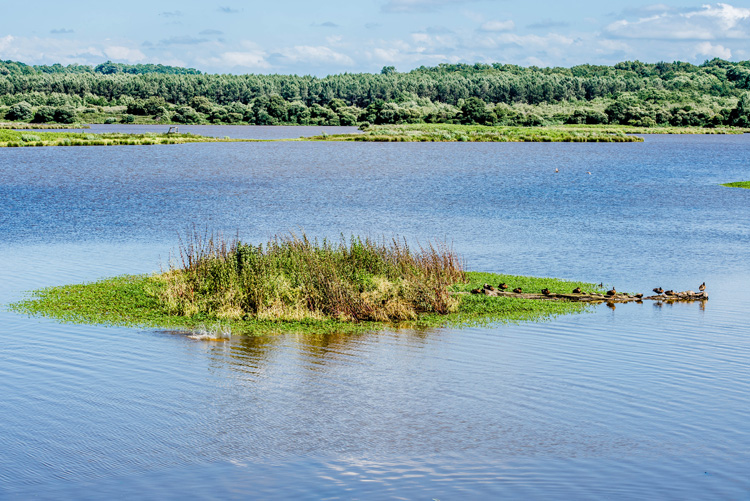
(295, 278)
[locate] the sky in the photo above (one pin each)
(308, 37)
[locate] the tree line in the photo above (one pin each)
(713, 93)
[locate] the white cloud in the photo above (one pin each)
(246, 59)
(722, 21)
(119, 52)
(498, 26)
(5, 42)
(419, 5)
(709, 50)
(316, 55)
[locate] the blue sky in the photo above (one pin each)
(320, 38)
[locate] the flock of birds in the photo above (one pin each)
(610, 293)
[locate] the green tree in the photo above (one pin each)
(65, 115)
(21, 112)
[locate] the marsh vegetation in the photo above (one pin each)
(13, 138)
(480, 133)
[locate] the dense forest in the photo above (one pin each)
(715, 93)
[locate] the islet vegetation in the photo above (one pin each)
(297, 284)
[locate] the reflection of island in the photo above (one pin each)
(250, 354)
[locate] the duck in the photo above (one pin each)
(670, 292)
(659, 290)
(546, 291)
(611, 292)
(518, 290)
(489, 287)
(503, 286)
(702, 287)
(475, 291)
(577, 290)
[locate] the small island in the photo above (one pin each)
(297, 284)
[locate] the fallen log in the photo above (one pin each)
(590, 297)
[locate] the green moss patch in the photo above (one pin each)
(738, 184)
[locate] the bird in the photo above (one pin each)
(503, 286)
(489, 287)
(611, 292)
(518, 290)
(702, 287)
(588, 172)
(659, 290)
(577, 290)
(546, 291)
(475, 291)
(601, 284)
(670, 292)
(557, 170)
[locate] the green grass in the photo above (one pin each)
(11, 138)
(738, 184)
(132, 301)
(481, 133)
(295, 284)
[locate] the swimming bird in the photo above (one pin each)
(577, 290)
(518, 290)
(611, 292)
(503, 286)
(702, 287)
(659, 290)
(557, 170)
(546, 291)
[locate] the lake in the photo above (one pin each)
(639, 401)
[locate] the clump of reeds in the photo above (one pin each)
(295, 278)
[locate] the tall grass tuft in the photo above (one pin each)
(294, 278)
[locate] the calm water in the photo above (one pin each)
(640, 401)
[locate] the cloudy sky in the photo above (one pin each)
(336, 36)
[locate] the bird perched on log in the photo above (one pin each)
(670, 292)
(475, 291)
(611, 292)
(546, 291)
(659, 290)
(517, 290)
(577, 290)
(503, 286)
(702, 287)
(489, 287)
(639, 295)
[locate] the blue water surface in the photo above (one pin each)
(640, 401)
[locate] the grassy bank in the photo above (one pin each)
(481, 133)
(294, 284)
(738, 184)
(18, 139)
(28, 126)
